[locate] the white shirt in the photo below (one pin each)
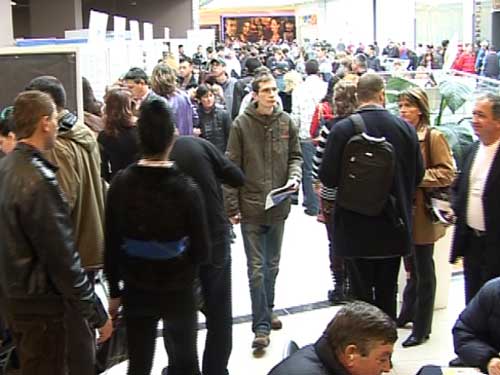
(305, 97)
(477, 181)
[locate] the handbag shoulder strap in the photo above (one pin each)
(427, 142)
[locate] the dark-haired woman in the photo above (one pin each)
(118, 141)
(156, 235)
(214, 120)
(420, 290)
(92, 108)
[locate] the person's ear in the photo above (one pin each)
(350, 353)
(254, 95)
(45, 123)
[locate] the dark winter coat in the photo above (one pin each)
(388, 234)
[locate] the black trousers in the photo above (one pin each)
(40, 344)
(480, 264)
(216, 288)
(177, 310)
(337, 263)
(374, 280)
(80, 339)
(420, 290)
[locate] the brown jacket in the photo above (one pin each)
(441, 173)
(76, 153)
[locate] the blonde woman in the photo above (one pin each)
(419, 294)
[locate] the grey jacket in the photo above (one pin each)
(267, 150)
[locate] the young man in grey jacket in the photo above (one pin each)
(264, 143)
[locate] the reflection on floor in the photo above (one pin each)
(300, 294)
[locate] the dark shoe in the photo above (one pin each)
(310, 212)
(276, 323)
(414, 341)
(456, 362)
(336, 296)
(401, 322)
(260, 341)
(164, 371)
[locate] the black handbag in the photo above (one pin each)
(114, 350)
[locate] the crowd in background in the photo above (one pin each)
(130, 137)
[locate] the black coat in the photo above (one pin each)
(357, 235)
(209, 168)
(476, 333)
(215, 126)
(491, 205)
(314, 359)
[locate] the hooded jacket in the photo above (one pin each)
(267, 150)
(76, 154)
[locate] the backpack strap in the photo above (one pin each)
(359, 123)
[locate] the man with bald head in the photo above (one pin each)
(374, 245)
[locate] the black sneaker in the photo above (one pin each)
(336, 296)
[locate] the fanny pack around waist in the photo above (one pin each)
(155, 250)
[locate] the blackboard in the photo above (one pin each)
(18, 69)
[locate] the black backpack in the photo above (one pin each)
(367, 172)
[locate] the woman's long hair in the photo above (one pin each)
(118, 111)
(344, 98)
(418, 97)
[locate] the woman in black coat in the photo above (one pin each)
(156, 236)
(215, 122)
(118, 141)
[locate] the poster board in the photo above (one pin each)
(256, 27)
(19, 65)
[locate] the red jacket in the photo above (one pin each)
(324, 110)
(466, 63)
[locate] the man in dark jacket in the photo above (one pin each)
(209, 168)
(358, 340)
(40, 272)
(374, 245)
(78, 161)
(477, 202)
(476, 333)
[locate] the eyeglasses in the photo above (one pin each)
(6, 113)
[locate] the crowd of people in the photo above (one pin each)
(149, 184)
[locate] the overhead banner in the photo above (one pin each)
(254, 28)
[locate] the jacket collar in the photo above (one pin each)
(370, 107)
(494, 172)
(328, 357)
(35, 153)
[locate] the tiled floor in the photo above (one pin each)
(304, 279)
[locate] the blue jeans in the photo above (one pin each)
(263, 250)
(311, 202)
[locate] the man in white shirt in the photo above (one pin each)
(477, 200)
(305, 98)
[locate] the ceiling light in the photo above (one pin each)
(13, 3)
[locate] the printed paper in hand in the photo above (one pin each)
(278, 195)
